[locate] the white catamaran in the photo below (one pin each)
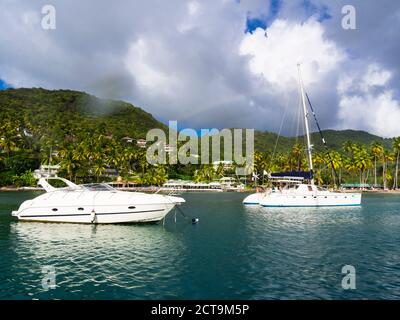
(297, 189)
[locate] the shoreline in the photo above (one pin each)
(155, 189)
(133, 189)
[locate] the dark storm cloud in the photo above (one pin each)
(181, 59)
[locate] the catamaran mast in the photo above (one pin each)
(305, 112)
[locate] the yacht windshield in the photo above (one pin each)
(97, 187)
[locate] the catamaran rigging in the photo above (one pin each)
(305, 113)
(323, 138)
(296, 188)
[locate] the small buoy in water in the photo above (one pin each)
(195, 220)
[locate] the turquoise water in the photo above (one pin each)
(235, 252)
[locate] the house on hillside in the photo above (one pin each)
(46, 171)
(127, 139)
(110, 172)
(226, 164)
(141, 143)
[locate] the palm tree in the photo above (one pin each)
(258, 161)
(349, 146)
(284, 163)
(296, 155)
(277, 163)
(318, 177)
(99, 168)
(161, 175)
(262, 162)
(143, 163)
(377, 151)
(336, 164)
(220, 170)
(8, 135)
(387, 157)
(67, 162)
(349, 165)
(362, 161)
(206, 173)
(265, 165)
(396, 148)
(156, 175)
(319, 161)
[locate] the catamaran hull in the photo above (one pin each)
(331, 200)
(254, 199)
(100, 215)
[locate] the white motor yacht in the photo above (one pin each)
(94, 203)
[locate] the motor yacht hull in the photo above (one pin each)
(98, 207)
(105, 215)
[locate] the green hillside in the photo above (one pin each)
(84, 135)
(264, 141)
(82, 132)
(61, 114)
(58, 113)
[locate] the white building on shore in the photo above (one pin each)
(46, 171)
(224, 184)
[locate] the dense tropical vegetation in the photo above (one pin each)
(354, 163)
(85, 135)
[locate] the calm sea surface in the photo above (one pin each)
(235, 252)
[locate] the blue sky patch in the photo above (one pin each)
(321, 12)
(254, 21)
(263, 21)
(3, 85)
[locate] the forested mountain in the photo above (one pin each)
(63, 114)
(57, 113)
(84, 134)
(334, 138)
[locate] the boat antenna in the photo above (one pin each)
(322, 138)
(305, 112)
(50, 161)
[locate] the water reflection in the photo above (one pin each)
(235, 252)
(108, 257)
(297, 253)
(297, 217)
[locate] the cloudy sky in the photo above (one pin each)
(216, 63)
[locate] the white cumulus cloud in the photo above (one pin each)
(192, 60)
(149, 74)
(366, 102)
(274, 53)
